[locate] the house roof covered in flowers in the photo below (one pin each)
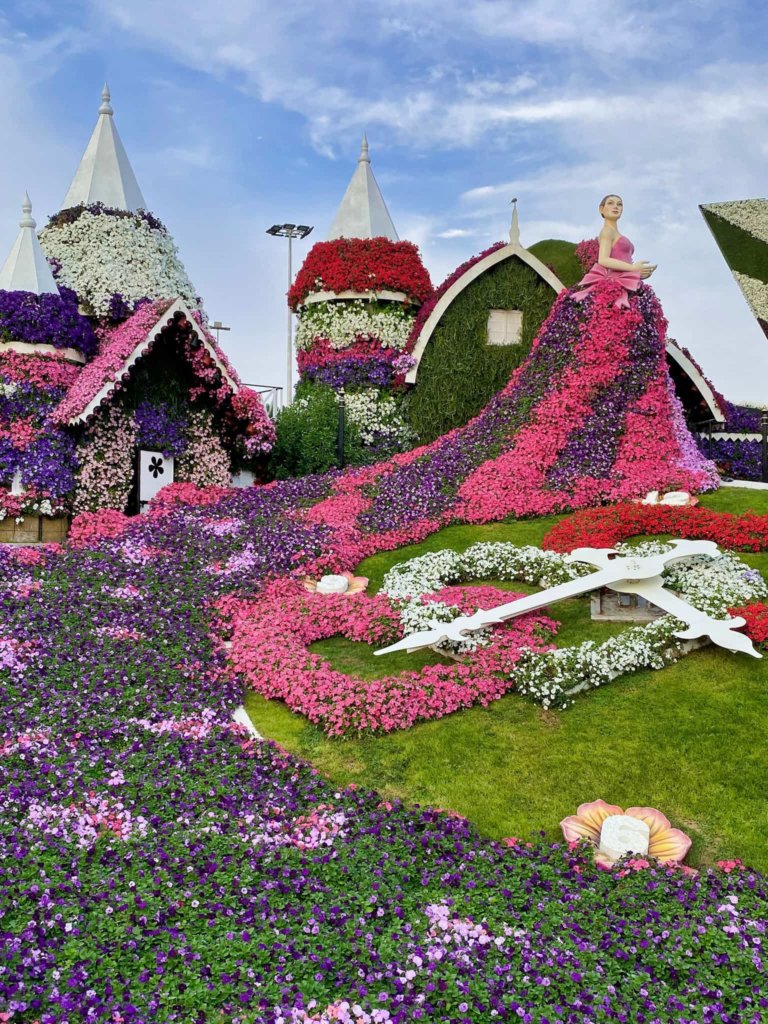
(123, 347)
(26, 269)
(363, 212)
(104, 174)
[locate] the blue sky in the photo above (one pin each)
(239, 115)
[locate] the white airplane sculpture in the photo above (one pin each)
(627, 574)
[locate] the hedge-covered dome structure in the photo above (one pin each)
(474, 330)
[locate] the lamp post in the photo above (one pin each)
(290, 231)
(218, 326)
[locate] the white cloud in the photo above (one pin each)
(455, 233)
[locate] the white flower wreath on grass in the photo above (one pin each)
(552, 678)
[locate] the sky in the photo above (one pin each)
(241, 115)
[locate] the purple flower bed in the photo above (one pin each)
(46, 320)
(156, 865)
(742, 418)
(352, 373)
(48, 461)
(739, 459)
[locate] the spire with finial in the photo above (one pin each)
(363, 212)
(514, 228)
(105, 174)
(26, 269)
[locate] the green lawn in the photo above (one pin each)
(690, 740)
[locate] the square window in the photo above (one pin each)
(505, 326)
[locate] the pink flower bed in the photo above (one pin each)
(185, 494)
(270, 636)
(91, 527)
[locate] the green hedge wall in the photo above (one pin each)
(459, 372)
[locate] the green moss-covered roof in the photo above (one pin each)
(459, 371)
(560, 256)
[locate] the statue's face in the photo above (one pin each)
(612, 206)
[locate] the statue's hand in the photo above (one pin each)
(644, 268)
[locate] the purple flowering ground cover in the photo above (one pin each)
(158, 865)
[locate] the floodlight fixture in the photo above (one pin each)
(290, 231)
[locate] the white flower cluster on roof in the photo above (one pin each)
(343, 323)
(749, 214)
(101, 254)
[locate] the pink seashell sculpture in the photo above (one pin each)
(600, 824)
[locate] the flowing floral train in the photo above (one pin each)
(591, 416)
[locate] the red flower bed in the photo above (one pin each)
(605, 527)
(361, 265)
(757, 621)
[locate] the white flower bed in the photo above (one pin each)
(749, 214)
(554, 677)
(102, 254)
(755, 292)
(377, 416)
(344, 323)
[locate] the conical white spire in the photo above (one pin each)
(514, 228)
(26, 269)
(363, 212)
(105, 174)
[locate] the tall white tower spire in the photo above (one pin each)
(105, 174)
(26, 269)
(363, 212)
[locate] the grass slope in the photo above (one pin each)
(690, 740)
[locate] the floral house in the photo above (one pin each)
(110, 384)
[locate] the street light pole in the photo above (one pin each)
(290, 231)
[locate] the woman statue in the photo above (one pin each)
(589, 416)
(592, 412)
(616, 251)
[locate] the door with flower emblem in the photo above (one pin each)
(155, 471)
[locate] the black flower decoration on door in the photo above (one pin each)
(156, 467)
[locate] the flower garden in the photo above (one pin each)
(217, 802)
(159, 863)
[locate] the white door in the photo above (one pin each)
(155, 471)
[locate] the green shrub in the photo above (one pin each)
(307, 434)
